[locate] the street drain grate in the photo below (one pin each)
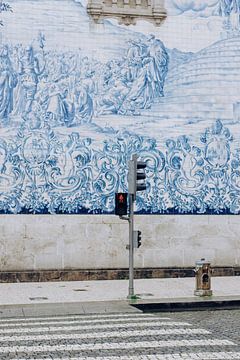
(79, 289)
(38, 298)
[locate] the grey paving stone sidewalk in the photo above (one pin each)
(104, 295)
(111, 290)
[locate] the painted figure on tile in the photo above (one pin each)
(29, 72)
(230, 9)
(59, 110)
(235, 15)
(141, 93)
(84, 104)
(11, 174)
(160, 59)
(8, 81)
(134, 57)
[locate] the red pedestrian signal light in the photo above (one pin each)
(121, 198)
(121, 204)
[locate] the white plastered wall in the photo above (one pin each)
(43, 242)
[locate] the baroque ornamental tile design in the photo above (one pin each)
(43, 172)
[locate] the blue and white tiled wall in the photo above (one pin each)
(77, 100)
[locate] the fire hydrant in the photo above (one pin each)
(203, 278)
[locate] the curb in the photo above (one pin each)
(61, 308)
(187, 305)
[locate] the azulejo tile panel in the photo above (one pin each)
(76, 103)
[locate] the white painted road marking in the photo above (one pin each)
(183, 356)
(102, 335)
(91, 327)
(16, 334)
(77, 321)
(80, 317)
(115, 346)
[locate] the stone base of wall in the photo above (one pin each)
(107, 274)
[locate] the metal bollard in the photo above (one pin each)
(203, 278)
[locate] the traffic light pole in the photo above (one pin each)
(131, 247)
(136, 178)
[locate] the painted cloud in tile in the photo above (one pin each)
(203, 8)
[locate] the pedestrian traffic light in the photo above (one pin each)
(136, 176)
(121, 205)
(137, 238)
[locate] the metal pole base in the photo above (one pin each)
(133, 297)
(203, 292)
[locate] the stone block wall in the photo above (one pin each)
(35, 243)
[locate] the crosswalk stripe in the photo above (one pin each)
(183, 356)
(77, 321)
(75, 317)
(102, 335)
(85, 327)
(115, 346)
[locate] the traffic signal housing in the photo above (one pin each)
(121, 204)
(137, 238)
(141, 176)
(136, 176)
